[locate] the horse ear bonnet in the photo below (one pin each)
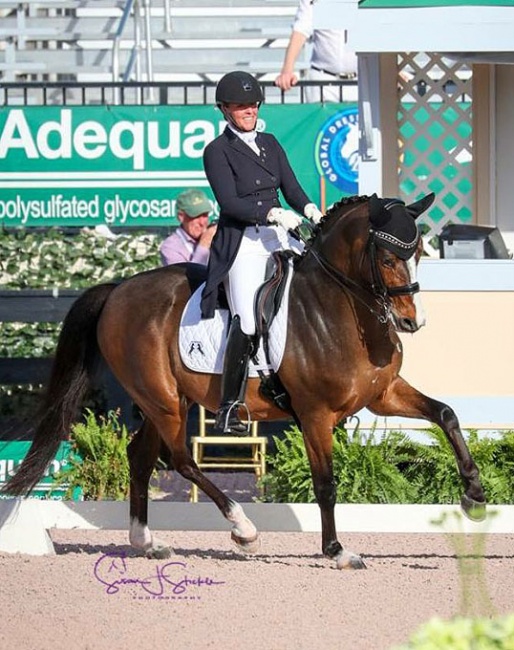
(393, 223)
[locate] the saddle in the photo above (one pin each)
(267, 303)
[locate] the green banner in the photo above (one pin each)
(407, 4)
(11, 456)
(124, 166)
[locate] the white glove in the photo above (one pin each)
(311, 212)
(288, 219)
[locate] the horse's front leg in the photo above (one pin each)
(318, 443)
(401, 399)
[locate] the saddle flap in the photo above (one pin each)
(269, 296)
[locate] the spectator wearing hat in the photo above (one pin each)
(191, 241)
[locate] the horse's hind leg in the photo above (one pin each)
(401, 399)
(143, 451)
(172, 429)
(244, 534)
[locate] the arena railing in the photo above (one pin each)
(62, 93)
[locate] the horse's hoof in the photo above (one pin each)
(159, 553)
(247, 545)
(349, 560)
(474, 510)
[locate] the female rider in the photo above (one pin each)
(246, 170)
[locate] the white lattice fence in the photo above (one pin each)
(435, 136)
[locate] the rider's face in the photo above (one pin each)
(244, 116)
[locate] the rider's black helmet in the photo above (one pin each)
(238, 88)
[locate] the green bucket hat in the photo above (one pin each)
(193, 203)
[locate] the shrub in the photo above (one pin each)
(432, 469)
(390, 468)
(464, 634)
(366, 470)
(98, 463)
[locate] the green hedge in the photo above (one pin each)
(72, 259)
(391, 468)
(49, 259)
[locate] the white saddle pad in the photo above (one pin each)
(202, 342)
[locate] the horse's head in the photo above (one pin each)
(374, 255)
(394, 247)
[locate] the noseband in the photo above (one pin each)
(377, 298)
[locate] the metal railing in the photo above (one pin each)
(134, 7)
(133, 93)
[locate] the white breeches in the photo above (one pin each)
(248, 271)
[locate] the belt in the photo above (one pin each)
(339, 75)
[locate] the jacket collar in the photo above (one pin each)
(238, 144)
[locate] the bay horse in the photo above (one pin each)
(353, 289)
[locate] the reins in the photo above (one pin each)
(362, 294)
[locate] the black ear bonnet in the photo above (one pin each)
(393, 224)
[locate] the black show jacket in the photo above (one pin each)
(246, 186)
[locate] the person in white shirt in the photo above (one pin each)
(331, 59)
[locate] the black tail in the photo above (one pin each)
(76, 358)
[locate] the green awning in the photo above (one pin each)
(405, 4)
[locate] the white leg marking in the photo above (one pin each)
(348, 560)
(140, 536)
(142, 540)
(420, 312)
(242, 526)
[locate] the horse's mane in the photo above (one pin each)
(334, 211)
(345, 201)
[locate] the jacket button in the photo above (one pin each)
(257, 182)
(259, 203)
(273, 178)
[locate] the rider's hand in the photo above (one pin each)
(312, 212)
(288, 219)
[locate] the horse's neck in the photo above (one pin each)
(331, 309)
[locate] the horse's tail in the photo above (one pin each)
(76, 358)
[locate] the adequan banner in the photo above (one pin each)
(11, 456)
(124, 166)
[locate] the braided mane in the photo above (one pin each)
(345, 201)
(334, 211)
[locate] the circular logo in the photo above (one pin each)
(337, 150)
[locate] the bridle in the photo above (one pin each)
(376, 297)
(378, 285)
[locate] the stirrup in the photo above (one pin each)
(231, 419)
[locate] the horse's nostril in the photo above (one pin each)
(408, 325)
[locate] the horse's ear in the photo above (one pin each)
(378, 215)
(417, 208)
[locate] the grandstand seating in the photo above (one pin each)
(57, 40)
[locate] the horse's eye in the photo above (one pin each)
(388, 262)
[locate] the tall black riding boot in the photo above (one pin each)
(233, 382)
